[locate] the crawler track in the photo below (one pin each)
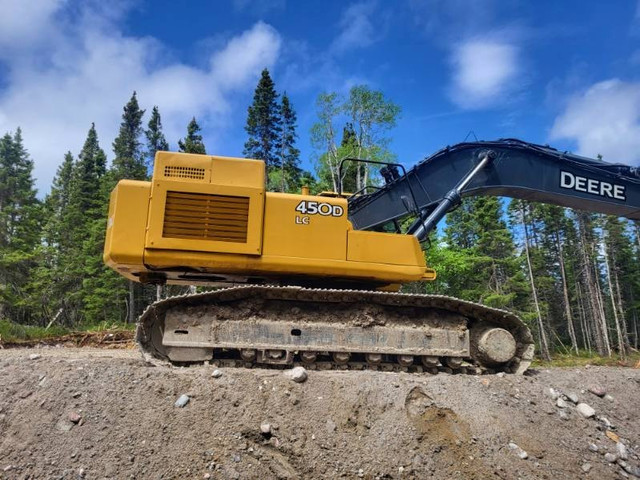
(369, 329)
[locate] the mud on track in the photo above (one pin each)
(344, 424)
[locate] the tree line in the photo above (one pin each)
(572, 276)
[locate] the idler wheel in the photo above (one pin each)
(429, 361)
(492, 345)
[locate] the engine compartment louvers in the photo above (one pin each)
(202, 216)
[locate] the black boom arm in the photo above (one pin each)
(506, 167)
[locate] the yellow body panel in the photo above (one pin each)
(204, 219)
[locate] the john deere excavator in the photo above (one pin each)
(314, 279)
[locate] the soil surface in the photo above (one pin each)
(94, 413)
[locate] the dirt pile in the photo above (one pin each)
(94, 414)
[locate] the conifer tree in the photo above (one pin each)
(289, 155)
(19, 226)
(129, 156)
(264, 124)
(155, 138)
(193, 141)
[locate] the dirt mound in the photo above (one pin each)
(88, 413)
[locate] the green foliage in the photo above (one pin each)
(264, 124)
(367, 117)
(193, 141)
(12, 332)
(155, 137)
(127, 147)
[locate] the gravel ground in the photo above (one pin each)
(94, 414)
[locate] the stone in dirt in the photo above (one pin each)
(586, 467)
(621, 450)
(518, 451)
(34, 356)
(64, 425)
(572, 397)
(265, 428)
(560, 403)
(597, 390)
(216, 373)
(593, 447)
(74, 417)
(585, 410)
(182, 401)
(553, 393)
(297, 374)
(610, 457)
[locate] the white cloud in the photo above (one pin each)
(88, 73)
(356, 27)
(484, 73)
(25, 23)
(604, 120)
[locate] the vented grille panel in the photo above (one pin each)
(193, 173)
(206, 217)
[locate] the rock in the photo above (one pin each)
(64, 425)
(553, 393)
(206, 476)
(585, 410)
(610, 457)
(34, 356)
(216, 373)
(632, 470)
(81, 473)
(563, 415)
(331, 426)
(597, 390)
(621, 450)
(593, 447)
(74, 417)
(500, 374)
(518, 451)
(605, 421)
(182, 401)
(360, 473)
(297, 374)
(265, 428)
(586, 467)
(608, 398)
(560, 403)
(572, 397)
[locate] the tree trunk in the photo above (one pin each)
(544, 343)
(614, 307)
(565, 293)
(132, 303)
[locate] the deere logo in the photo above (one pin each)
(590, 185)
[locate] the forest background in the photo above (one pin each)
(572, 276)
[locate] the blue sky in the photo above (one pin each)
(564, 73)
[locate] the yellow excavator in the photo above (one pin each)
(314, 279)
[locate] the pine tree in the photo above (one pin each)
(289, 155)
(20, 220)
(264, 124)
(129, 156)
(193, 141)
(155, 138)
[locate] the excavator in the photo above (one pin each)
(314, 280)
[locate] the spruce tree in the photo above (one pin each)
(193, 141)
(155, 138)
(129, 156)
(264, 124)
(289, 155)
(20, 220)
